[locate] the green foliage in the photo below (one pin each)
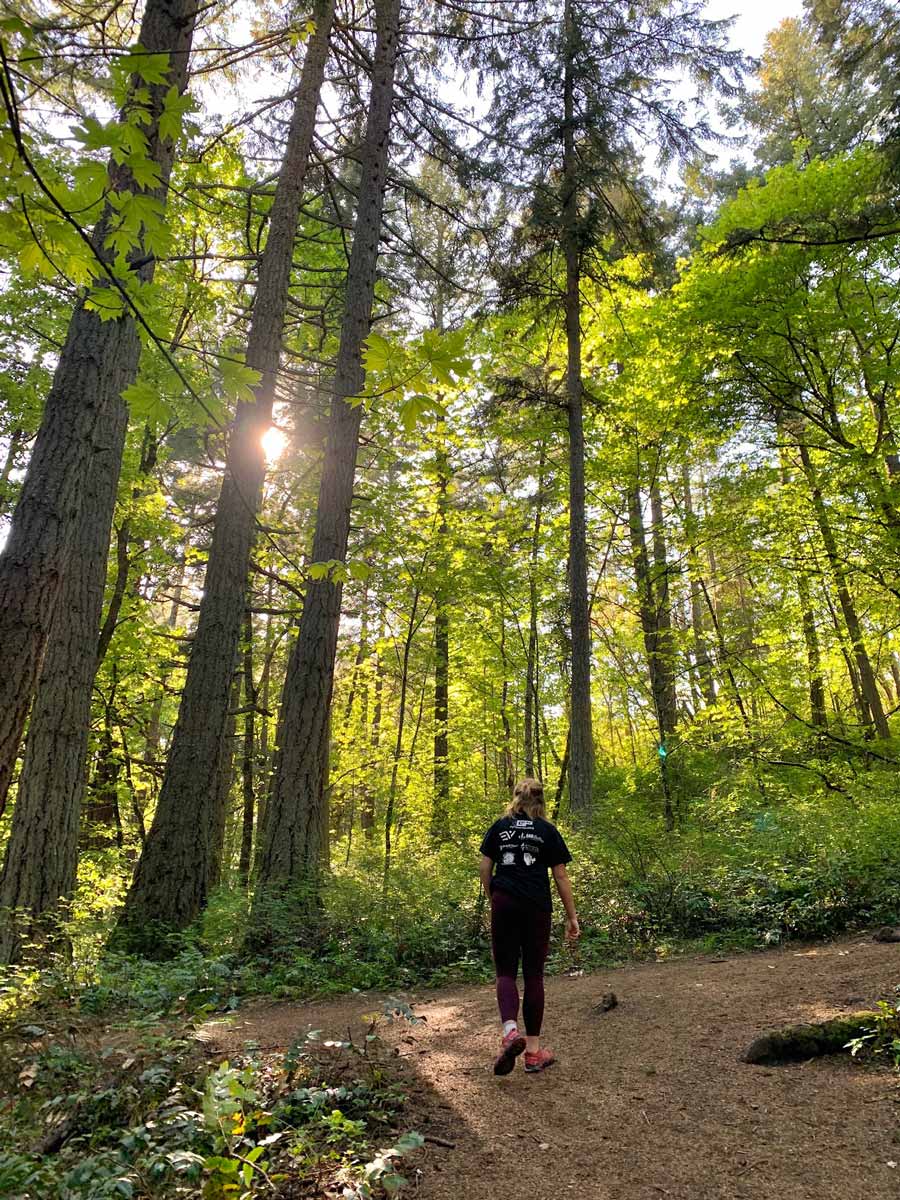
(189, 982)
(231, 1114)
(703, 386)
(382, 1173)
(142, 1116)
(883, 1039)
(421, 371)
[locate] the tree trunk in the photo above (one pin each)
(561, 782)
(248, 756)
(325, 803)
(42, 852)
(701, 650)
(440, 817)
(509, 770)
(16, 441)
(894, 663)
(136, 810)
(665, 647)
(101, 811)
(665, 644)
(367, 808)
(818, 716)
(411, 752)
(649, 612)
(123, 565)
(485, 758)
(357, 675)
(291, 854)
(348, 733)
(98, 360)
(867, 681)
(581, 738)
(222, 782)
(152, 739)
(174, 873)
(441, 812)
(863, 715)
(813, 654)
(265, 681)
(398, 744)
(532, 729)
(54, 767)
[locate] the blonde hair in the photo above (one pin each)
(528, 797)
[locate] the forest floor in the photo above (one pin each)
(648, 1100)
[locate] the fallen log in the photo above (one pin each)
(57, 1135)
(796, 1043)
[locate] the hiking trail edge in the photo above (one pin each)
(648, 1100)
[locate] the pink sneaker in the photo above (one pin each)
(510, 1048)
(539, 1061)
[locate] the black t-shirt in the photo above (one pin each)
(523, 849)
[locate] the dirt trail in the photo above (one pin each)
(648, 1100)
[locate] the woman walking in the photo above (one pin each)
(515, 855)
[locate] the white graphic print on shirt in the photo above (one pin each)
(525, 840)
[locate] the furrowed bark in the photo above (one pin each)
(98, 360)
(581, 738)
(291, 857)
(42, 852)
(41, 857)
(175, 871)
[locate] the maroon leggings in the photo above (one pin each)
(519, 929)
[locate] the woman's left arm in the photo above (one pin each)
(486, 870)
(564, 887)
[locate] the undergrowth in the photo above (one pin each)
(108, 1094)
(882, 1039)
(136, 1111)
(740, 872)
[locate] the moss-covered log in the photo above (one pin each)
(795, 1043)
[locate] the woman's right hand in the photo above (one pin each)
(573, 929)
